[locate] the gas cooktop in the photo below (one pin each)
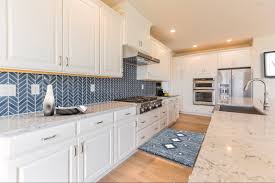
(138, 99)
(144, 104)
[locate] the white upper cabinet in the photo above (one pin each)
(204, 65)
(235, 58)
(111, 62)
(81, 36)
(71, 36)
(161, 71)
(31, 34)
(2, 31)
(136, 27)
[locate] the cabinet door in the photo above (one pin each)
(81, 36)
(154, 70)
(171, 114)
(3, 25)
(58, 166)
(132, 35)
(235, 58)
(165, 66)
(225, 60)
(110, 43)
(241, 58)
(125, 135)
(97, 154)
(137, 29)
(144, 29)
(177, 77)
(31, 34)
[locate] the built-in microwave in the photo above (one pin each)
(204, 97)
(203, 83)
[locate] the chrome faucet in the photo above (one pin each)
(266, 104)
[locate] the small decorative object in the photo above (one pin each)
(180, 135)
(48, 103)
(176, 140)
(169, 146)
(71, 110)
(269, 64)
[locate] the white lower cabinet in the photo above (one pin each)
(82, 151)
(145, 134)
(173, 110)
(54, 164)
(171, 114)
(125, 138)
(95, 154)
(162, 123)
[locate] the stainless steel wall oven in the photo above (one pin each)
(204, 91)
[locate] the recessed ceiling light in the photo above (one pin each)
(195, 46)
(173, 30)
(229, 40)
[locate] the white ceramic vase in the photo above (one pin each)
(48, 103)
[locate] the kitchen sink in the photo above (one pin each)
(240, 109)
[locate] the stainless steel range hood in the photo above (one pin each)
(133, 56)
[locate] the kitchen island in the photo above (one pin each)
(238, 147)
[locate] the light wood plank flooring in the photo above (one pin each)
(144, 167)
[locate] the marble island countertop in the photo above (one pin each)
(16, 125)
(238, 147)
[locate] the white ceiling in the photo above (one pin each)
(206, 21)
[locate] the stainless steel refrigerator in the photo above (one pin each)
(231, 83)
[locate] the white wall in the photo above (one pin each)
(261, 45)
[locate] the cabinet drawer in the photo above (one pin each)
(123, 114)
(41, 138)
(155, 128)
(155, 115)
(143, 121)
(163, 123)
(93, 123)
(146, 119)
(163, 112)
(143, 136)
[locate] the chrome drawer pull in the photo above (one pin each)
(163, 112)
(67, 61)
(75, 151)
(60, 60)
(127, 114)
(99, 122)
(82, 147)
(48, 138)
(143, 122)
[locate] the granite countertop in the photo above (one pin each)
(238, 147)
(16, 125)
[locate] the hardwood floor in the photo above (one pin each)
(144, 167)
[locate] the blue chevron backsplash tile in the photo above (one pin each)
(70, 90)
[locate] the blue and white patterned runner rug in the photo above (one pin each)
(179, 146)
